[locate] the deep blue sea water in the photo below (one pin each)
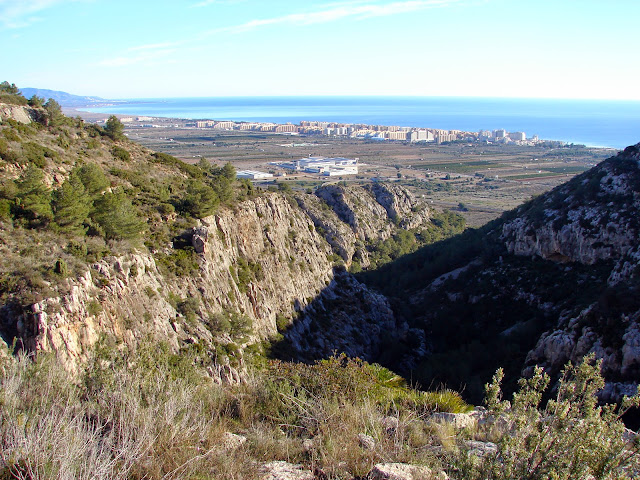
(591, 122)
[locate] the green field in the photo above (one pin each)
(460, 167)
(574, 169)
(532, 176)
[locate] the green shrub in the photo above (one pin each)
(61, 268)
(282, 322)
(94, 308)
(570, 437)
(181, 262)
(11, 135)
(189, 307)
(166, 159)
(77, 249)
(121, 154)
(5, 209)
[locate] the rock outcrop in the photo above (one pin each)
(353, 217)
(265, 259)
(595, 223)
(262, 259)
(374, 218)
(403, 471)
(589, 219)
(548, 283)
(20, 113)
(280, 470)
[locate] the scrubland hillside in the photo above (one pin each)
(549, 282)
(143, 301)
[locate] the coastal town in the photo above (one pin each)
(364, 131)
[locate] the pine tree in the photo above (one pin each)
(71, 204)
(33, 199)
(114, 128)
(229, 171)
(201, 200)
(93, 179)
(117, 216)
(54, 110)
(35, 101)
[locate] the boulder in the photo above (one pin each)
(390, 425)
(457, 420)
(232, 441)
(199, 239)
(404, 471)
(481, 449)
(280, 470)
(366, 441)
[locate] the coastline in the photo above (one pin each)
(598, 124)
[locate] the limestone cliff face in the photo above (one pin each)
(19, 113)
(620, 356)
(352, 217)
(269, 257)
(549, 282)
(336, 232)
(592, 218)
(347, 317)
(369, 218)
(289, 258)
(261, 259)
(118, 297)
(595, 223)
(401, 205)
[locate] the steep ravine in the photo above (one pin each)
(263, 259)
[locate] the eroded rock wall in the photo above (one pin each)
(266, 258)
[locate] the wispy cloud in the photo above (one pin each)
(22, 13)
(154, 46)
(206, 3)
(142, 54)
(346, 9)
(338, 11)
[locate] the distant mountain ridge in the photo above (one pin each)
(63, 98)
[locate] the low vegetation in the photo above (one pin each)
(152, 414)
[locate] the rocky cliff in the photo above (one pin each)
(591, 220)
(71, 276)
(352, 218)
(549, 282)
(20, 114)
(263, 259)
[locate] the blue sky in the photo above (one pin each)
(190, 48)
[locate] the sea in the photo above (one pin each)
(595, 123)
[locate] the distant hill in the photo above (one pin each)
(63, 98)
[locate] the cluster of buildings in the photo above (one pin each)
(253, 175)
(328, 167)
(374, 132)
